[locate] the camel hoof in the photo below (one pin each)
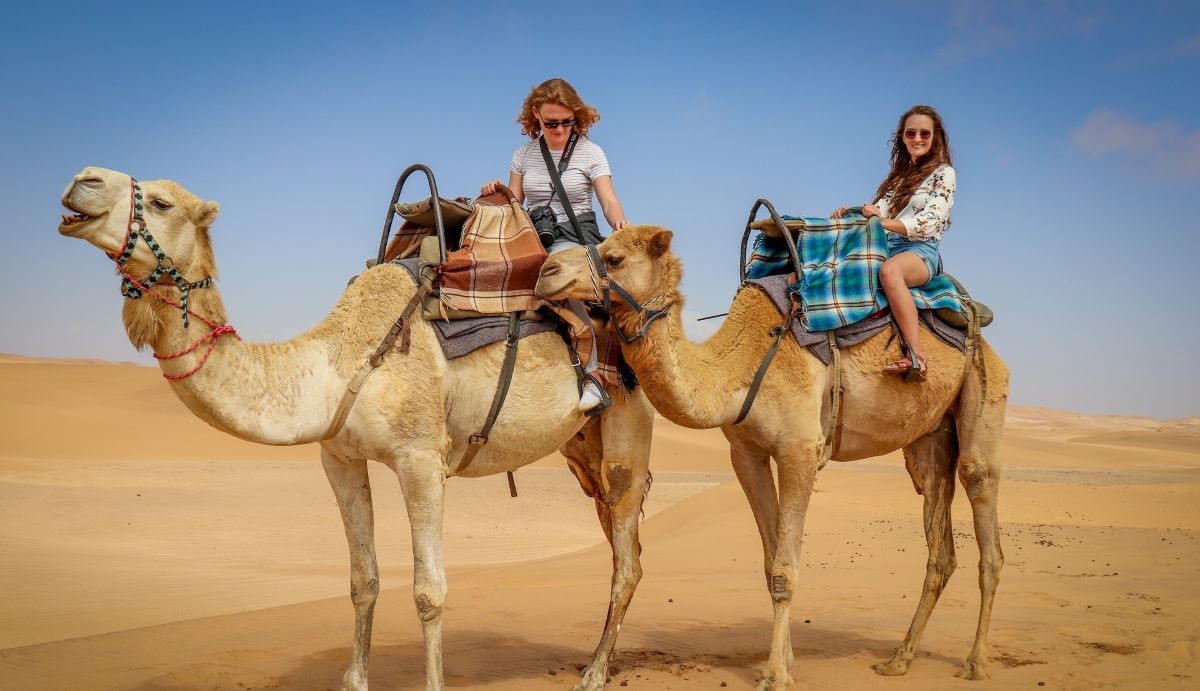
(895, 667)
(972, 670)
(353, 680)
(775, 682)
(593, 680)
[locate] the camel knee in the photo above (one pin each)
(429, 607)
(781, 587)
(940, 570)
(620, 479)
(364, 590)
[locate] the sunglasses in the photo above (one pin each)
(555, 124)
(912, 134)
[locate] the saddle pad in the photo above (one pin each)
(776, 288)
(463, 336)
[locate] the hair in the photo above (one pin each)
(559, 92)
(906, 175)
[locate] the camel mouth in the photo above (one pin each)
(73, 222)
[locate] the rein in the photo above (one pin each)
(605, 286)
(133, 289)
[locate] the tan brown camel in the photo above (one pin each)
(415, 414)
(704, 385)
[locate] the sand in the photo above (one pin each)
(141, 549)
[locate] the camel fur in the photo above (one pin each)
(415, 414)
(704, 385)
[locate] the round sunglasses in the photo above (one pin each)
(912, 134)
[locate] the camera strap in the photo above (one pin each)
(555, 177)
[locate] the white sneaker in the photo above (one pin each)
(591, 396)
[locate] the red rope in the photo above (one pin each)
(218, 330)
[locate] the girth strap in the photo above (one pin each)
(402, 329)
(506, 371)
(778, 332)
(833, 425)
(974, 355)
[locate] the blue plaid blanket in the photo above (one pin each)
(839, 277)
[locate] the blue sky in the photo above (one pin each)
(1075, 128)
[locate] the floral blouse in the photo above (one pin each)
(927, 214)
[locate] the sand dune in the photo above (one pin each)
(140, 549)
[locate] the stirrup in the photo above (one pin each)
(605, 400)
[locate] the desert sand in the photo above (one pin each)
(141, 549)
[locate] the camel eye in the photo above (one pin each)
(613, 261)
(161, 205)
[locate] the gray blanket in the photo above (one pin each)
(776, 288)
(463, 336)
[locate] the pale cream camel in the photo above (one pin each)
(415, 414)
(704, 385)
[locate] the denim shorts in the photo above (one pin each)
(927, 250)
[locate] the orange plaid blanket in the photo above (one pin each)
(497, 267)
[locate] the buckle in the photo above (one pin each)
(478, 439)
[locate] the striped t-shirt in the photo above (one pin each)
(587, 163)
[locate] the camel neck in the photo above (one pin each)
(699, 385)
(279, 393)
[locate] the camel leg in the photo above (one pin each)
(625, 432)
(423, 482)
(752, 465)
(979, 472)
(930, 461)
(797, 473)
(352, 488)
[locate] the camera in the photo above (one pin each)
(544, 221)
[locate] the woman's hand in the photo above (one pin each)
(838, 212)
(870, 210)
(489, 188)
(623, 223)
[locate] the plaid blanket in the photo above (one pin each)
(497, 267)
(839, 277)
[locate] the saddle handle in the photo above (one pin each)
(439, 225)
(783, 230)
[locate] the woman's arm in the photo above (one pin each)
(515, 184)
(613, 212)
(932, 221)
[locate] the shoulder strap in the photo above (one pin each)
(557, 180)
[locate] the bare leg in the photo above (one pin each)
(423, 481)
(931, 461)
(352, 488)
(797, 472)
(625, 430)
(901, 272)
(979, 471)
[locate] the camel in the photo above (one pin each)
(415, 414)
(704, 385)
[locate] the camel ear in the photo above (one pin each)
(207, 214)
(660, 242)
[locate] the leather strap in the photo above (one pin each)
(556, 178)
(833, 437)
(402, 330)
(778, 332)
(506, 371)
(973, 354)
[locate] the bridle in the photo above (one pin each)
(133, 289)
(603, 286)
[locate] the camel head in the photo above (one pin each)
(638, 258)
(176, 218)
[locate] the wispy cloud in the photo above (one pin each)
(1163, 145)
(979, 28)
